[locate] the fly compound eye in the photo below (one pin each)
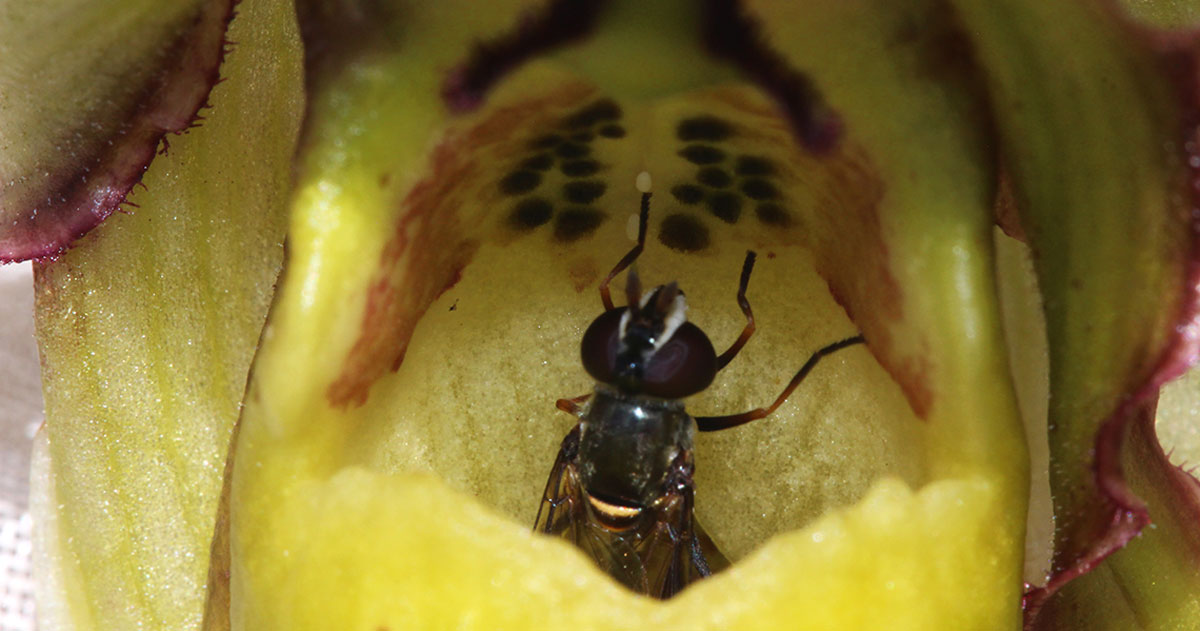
(600, 344)
(683, 366)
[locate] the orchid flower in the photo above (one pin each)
(305, 377)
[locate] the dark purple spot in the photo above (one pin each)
(520, 181)
(702, 154)
(683, 232)
(612, 131)
(572, 150)
(773, 214)
(575, 223)
(601, 111)
(714, 177)
(708, 128)
(584, 192)
(759, 189)
(540, 162)
(725, 206)
(535, 33)
(754, 165)
(579, 168)
(688, 193)
(729, 31)
(530, 213)
(546, 142)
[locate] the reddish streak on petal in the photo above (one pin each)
(871, 295)
(847, 237)
(583, 274)
(408, 279)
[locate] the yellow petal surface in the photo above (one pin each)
(423, 331)
(368, 551)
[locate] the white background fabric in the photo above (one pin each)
(20, 416)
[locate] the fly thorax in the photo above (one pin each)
(628, 444)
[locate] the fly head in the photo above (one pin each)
(649, 347)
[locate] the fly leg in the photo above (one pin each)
(571, 406)
(630, 256)
(694, 556)
(737, 345)
(714, 423)
(691, 543)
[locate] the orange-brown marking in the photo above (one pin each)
(583, 273)
(851, 192)
(844, 232)
(408, 279)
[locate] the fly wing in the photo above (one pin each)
(562, 501)
(676, 551)
(565, 513)
(660, 553)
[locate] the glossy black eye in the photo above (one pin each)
(599, 346)
(685, 365)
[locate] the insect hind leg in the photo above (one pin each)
(692, 555)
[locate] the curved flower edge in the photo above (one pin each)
(146, 331)
(1137, 241)
(1125, 511)
(728, 31)
(71, 199)
(1150, 581)
(384, 169)
(458, 564)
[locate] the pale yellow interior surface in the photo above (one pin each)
(478, 411)
(332, 500)
(1179, 420)
(473, 401)
(367, 551)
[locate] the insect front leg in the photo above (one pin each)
(736, 347)
(629, 257)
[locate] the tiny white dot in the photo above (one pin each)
(643, 181)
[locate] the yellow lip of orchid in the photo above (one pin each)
(328, 471)
(399, 424)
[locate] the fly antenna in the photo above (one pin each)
(633, 289)
(643, 184)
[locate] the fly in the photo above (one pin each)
(621, 488)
